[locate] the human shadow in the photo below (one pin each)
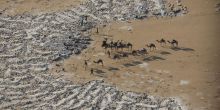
(153, 58)
(181, 49)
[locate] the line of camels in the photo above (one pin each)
(123, 45)
(120, 45)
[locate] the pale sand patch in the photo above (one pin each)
(184, 82)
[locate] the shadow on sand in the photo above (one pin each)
(128, 64)
(136, 62)
(153, 58)
(165, 53)
(182, 49)
(99, 73)
(133, 63)
(113, 69)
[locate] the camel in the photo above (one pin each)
(143, 51)
(120, 45)
(124, 45)
(105, 45)
(173, 43)
(129, 46)
(111, 45)
(162, 41)
(134, 52)
(116, 45)
(151, 45)
(116, 56)
(99, 61)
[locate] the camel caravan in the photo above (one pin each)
(122, 49)
(120, 45)
(116, 45)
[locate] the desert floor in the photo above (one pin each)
(190, 72)
(13, 7)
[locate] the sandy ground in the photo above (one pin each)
(190, 72)
(13, 7)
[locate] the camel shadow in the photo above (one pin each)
(153, 58)
(182, 49)
(113, 69)
(99, 73)
(136, 62)
(133, 63)
(128, 64)
(165, 53)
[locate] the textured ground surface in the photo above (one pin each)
(190, 72)
(29, 44)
